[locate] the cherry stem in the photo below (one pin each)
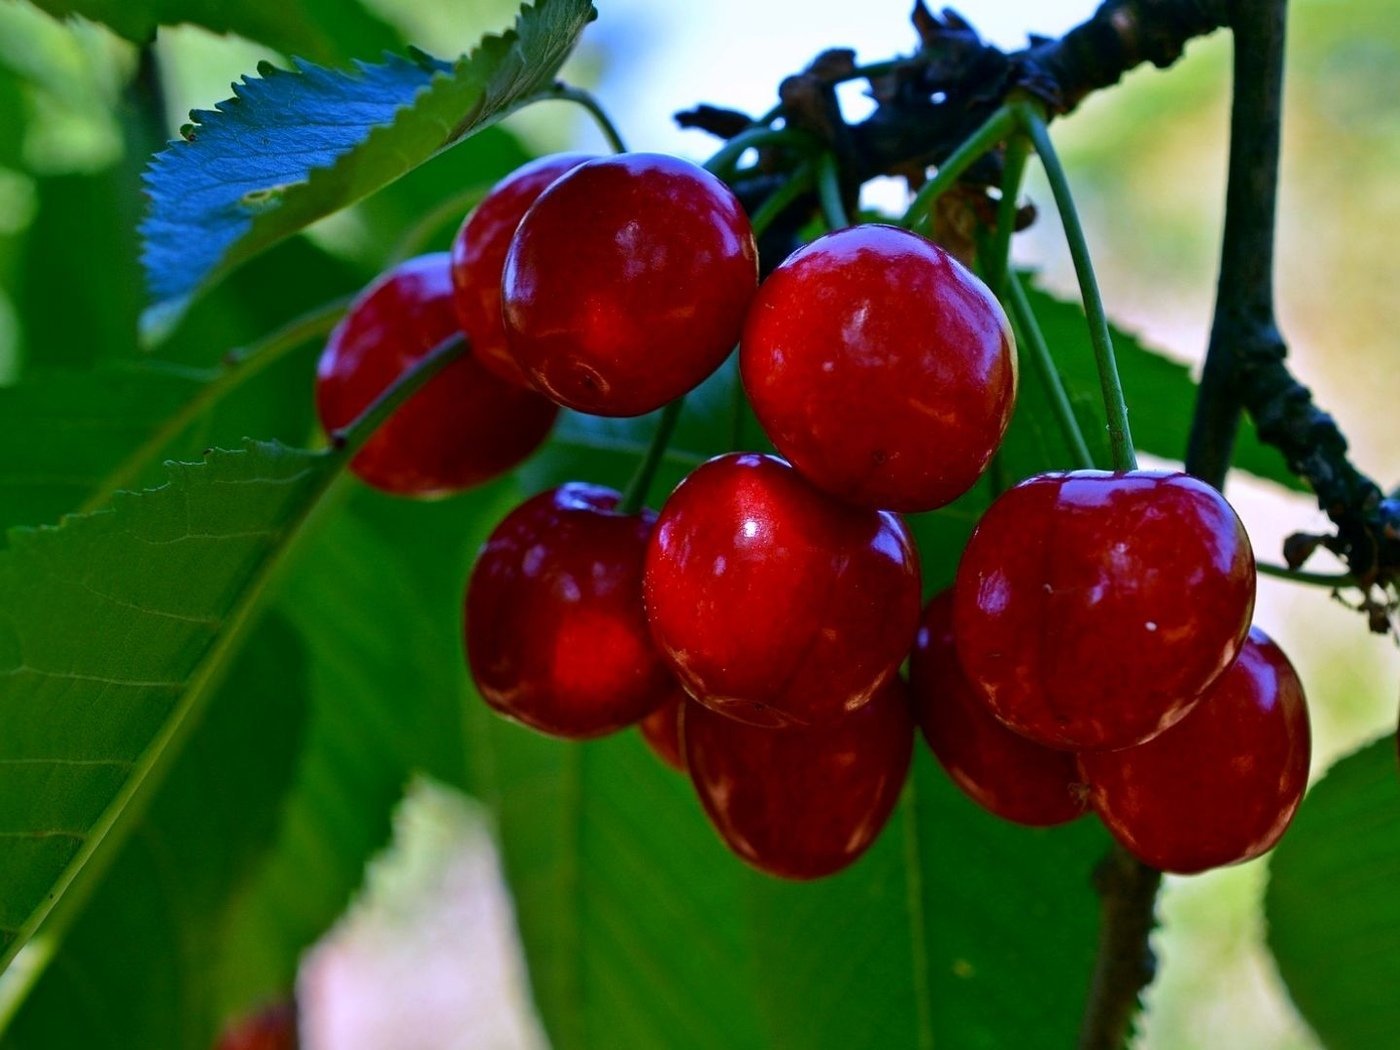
(1334, 580)
(636, 495)
(348, 440)
(998, 261)
(829, 190)
(998, 126)
(784, 195)
(726, 158)
(1119, 434)
(569, 93)
(1032, 342)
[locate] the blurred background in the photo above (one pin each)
(428, 958)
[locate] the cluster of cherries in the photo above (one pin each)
(1095, 649)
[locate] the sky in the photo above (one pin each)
(665, 55)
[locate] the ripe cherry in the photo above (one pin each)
(463, 427)
(880, 367)
(479, 256)
(1093, 609)
(626, 283)
(801, 803)
(774, 603)
(662, 731)
(1001, 771)
(273, 1027)
(1222, 784)
(556, 636)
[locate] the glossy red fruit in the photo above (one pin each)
(801, 803)
(1001, 771)
(556, 636)
(479, 257)
(1093, 609)
(626, 283)
(880, 367)
(774, 603)
(272, 1028)
(662, 731)
(463, 427)
(1220, 786)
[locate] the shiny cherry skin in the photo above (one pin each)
(1093, 609)
(626, 283)
(774, 603)
(880, 368)
(801, 803)
(662, 731)
(479, 257)
(1001, 771)
(555, 632)
(1221, 785)
(463, 427)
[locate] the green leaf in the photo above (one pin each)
(642, 930)
(386, 701)
(632, 916)
(66, 432)
(1160, 393)
(291, 148)
(1341, 961)
(139, 968)
(323, 30)
(112, 628)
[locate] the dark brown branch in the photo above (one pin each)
(1244, 329)
(1246, 358)
(1125, 964)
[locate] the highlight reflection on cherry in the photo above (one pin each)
(774, 603)
(556, 636)
(1092, 609)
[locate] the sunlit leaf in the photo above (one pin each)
(292, 147)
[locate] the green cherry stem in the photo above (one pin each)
(348, 440)
(726, 158)
(829, 190)
(1314, 579)
(640, 485)
(998, 259)
(569, 93)
(784, 195)
(1119, 434)
(998, 126)
(1032, 342)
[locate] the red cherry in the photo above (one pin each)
(1221, 785)
(479, 256)
(801, 803)
(556, 635)
(271, 1028)
(662, 731)
(463, 427)
(880, 367)
(1001, 771)
(774, 603)
(1093, 609)
(626, 283)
